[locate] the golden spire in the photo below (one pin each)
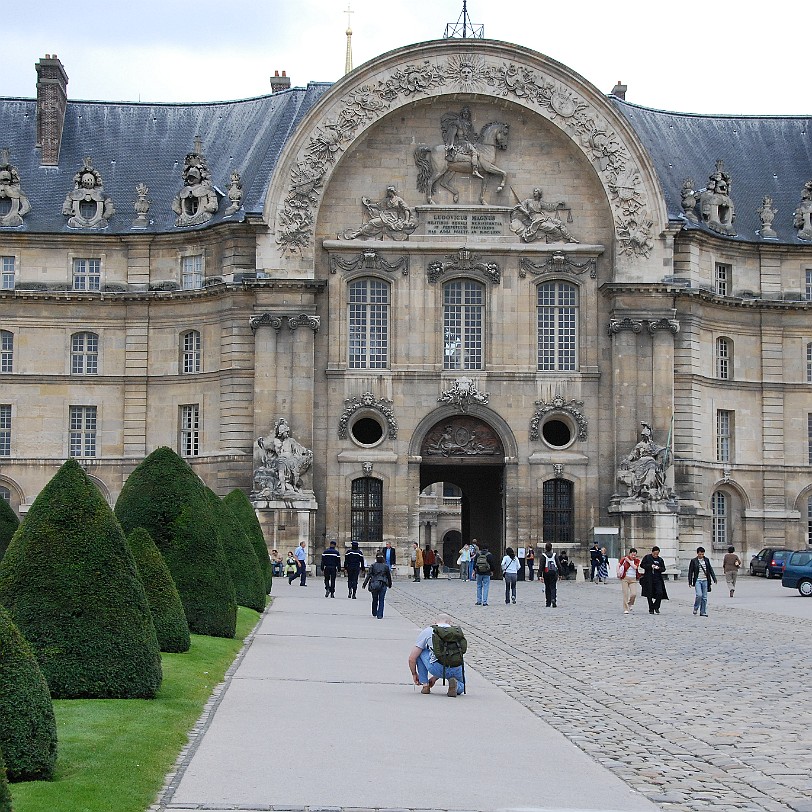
(348, 58)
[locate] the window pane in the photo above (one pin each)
(724, 427)
(719, 507)
(192, 272)
(368, 324)
(557, 314)
(7, 273)
(366, 518)
(190, 430)
(5, 430)
(87, 274)
(6, 351)
(191, 352)
(463, 325)
(82, 431)
(723, 278)
(84, 354)
(722, 358)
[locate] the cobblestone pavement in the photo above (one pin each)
(695, 713)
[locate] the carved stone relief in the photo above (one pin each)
(558, 263)
(464, 151)
(86, 205)
(197, 201)
(802, 216)
(463, 260)
(141, 206)
(280, 463)
(14, 203)
(234, 194)
(636, 325)
(369, 260)
(462, 436)
(468, 73)
(390, 217)
(767, 214)
(560, 406)
(278, 320)
(463, 394)
(367, 401)
(535, 218)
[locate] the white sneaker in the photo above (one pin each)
(625, 611)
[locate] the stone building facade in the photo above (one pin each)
(186, 275)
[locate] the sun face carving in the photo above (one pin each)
(467, 71)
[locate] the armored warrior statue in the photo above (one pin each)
(459, 137)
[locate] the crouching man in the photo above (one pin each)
(438, 654)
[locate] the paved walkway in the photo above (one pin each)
(575, 708)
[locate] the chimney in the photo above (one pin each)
(279, 82)
(52, 100)
(619, 90)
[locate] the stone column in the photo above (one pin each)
(625, 363)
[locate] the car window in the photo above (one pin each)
(762, 555)
(780, 555)
(800, 559)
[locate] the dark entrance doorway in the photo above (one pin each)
(452, 544)
(467, 452)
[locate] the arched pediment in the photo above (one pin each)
(501, 73)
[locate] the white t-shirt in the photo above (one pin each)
(510, 564)
(631, 570)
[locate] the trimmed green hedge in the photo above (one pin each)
(69, 582)
(167, 498)
(27, 724)
(8, 525)
(5, 795)
(249, 585)
(171, 627)
(244, 512)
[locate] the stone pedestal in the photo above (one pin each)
(647, 524)
(287, 522)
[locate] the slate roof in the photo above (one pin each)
(765, 155)
(132, 143)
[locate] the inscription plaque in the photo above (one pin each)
(464, 223)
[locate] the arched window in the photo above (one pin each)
(557, 314)
(84, 354)
(720, 507)
(190, 352)
(366, 518)
(368, 324)
(463, 318)
(724, 359)
(558, 511)
(6, 351)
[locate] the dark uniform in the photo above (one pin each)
(353, 564)
(330, 563)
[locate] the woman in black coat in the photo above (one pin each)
(652, 584)
(379, 578)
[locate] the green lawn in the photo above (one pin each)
(114, 753)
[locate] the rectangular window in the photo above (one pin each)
(722, 359)
(87, 274)
(809, 363)
(720, 527)
(724, 435)
(192, 272)
(557, 327)
(462, 317)
(84, 354)
(7, 269)
(191, 352)
(190, 430)
(369, 324)
(809, 437)
(5, 430)
(6, 351)
(809, 520)
(724, 278)
(83, 431)
(808, 288)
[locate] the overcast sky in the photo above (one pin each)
(711, 57)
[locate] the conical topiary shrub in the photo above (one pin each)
(243, 511)
(171, 627)
(167, 498)
(27, 724)
(8, 525)
(5, 795)
(69, 582)
(249, 587)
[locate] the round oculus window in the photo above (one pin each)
(367, 431)
(556, 433)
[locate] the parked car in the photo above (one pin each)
(769, 561)
(798, 572)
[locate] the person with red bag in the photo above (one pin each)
(628, 570)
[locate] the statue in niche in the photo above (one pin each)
(87, 205)
(535, 218)
(197, 201)
(767, 214)
(464, 152)
(802, 216)
(14, 204)
(643, 470)
(281, 461)
(715, 204)
(390, 217)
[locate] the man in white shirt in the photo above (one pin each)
(301, 563)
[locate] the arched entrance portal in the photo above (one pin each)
(468, 453)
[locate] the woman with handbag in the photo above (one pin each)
(379, 579)
(510, 570)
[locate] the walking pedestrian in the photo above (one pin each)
(530, 560)
(700, 575)
(291, 567)
(301, 563)
(628, 570)
(464, 562)
(428, 562)
(484, 567)
(594, 553)
(602, 570)
(510, 571)
(548, 572)
(379, 579)
(730, 566)
(330, 564)
(417, 561)
(652, 584)
(353, 565)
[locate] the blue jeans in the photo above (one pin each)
(424, 668)
(701, 599)
(378, 599)
(483, 584)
